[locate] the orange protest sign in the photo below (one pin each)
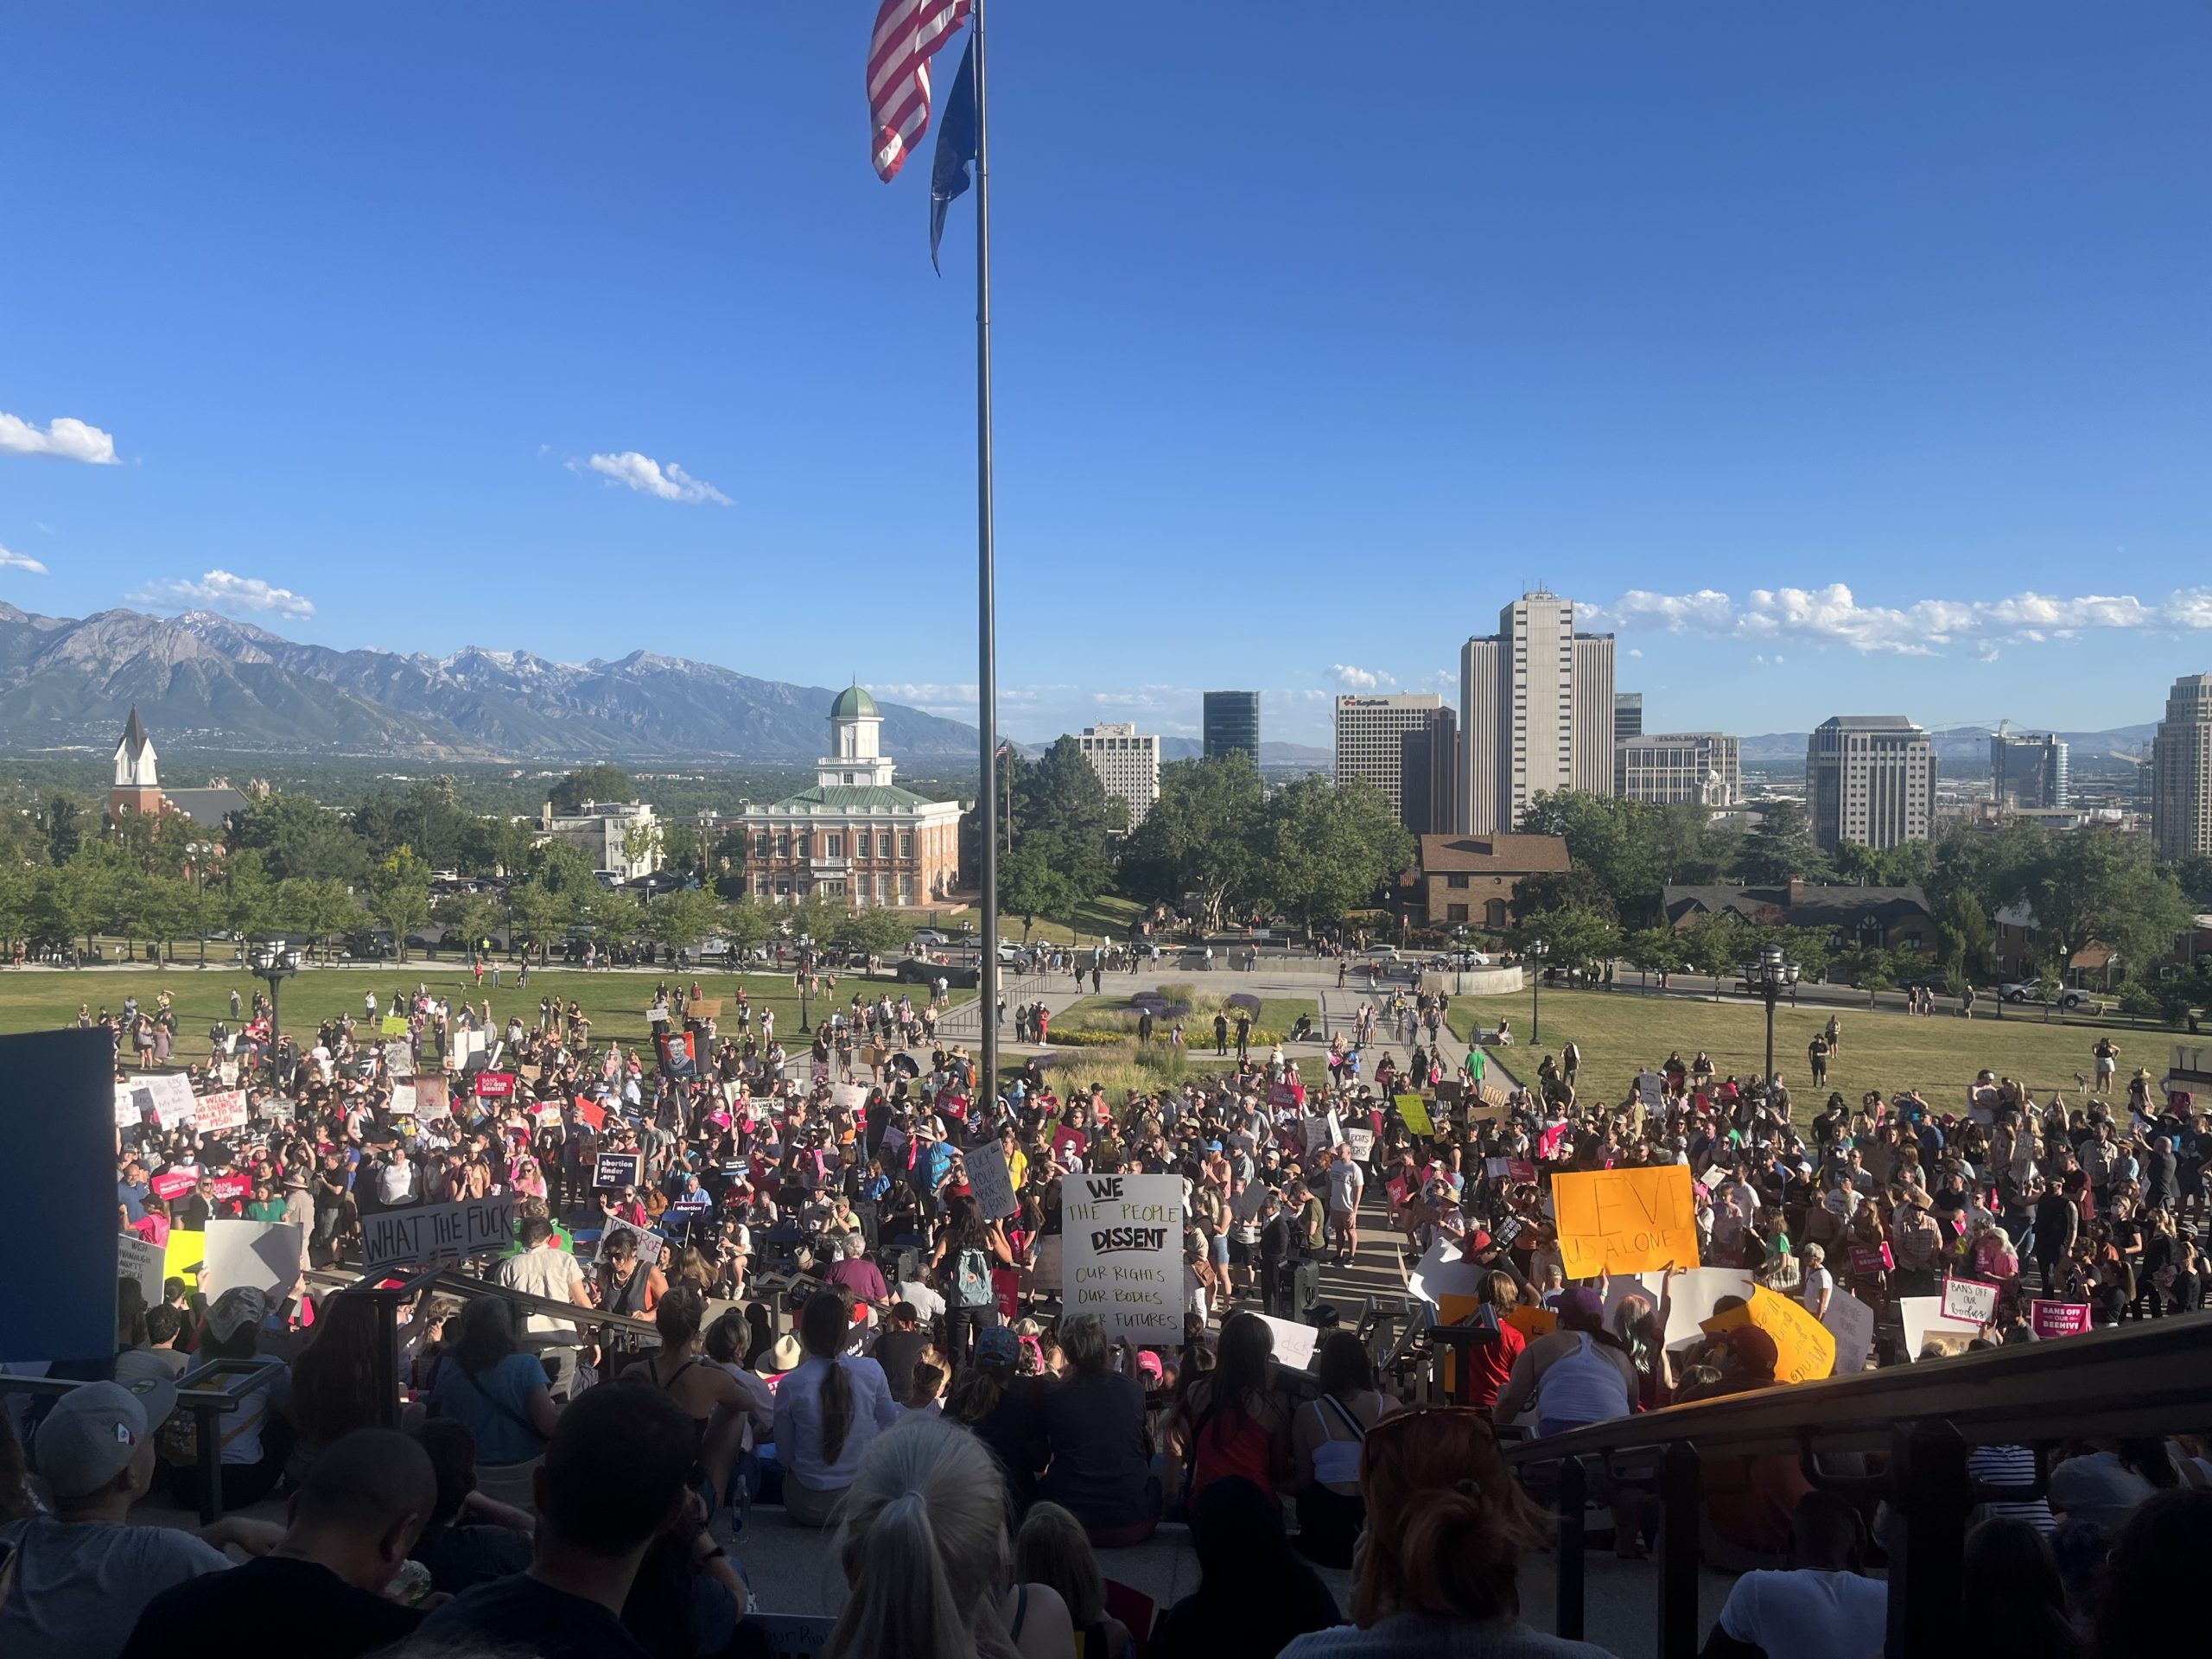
(1625, 1220)
(1533, 1322)
(1804, 1348)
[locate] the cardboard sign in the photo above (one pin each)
(1294, 1343)
(1321, 1132)
(1851, 1322)
(1804, 1348)
(849, 1096)
(1124, 1254)
(1415, 1110)
(265, 1255)
(399, 1059)
(650, 1245)
(1625, 1220)
(128, 1101)
(990, 1182)
(433, 1099)
(135, 1259)
(222, 1113)
(704, 1007)
(495, 1086)
(1534, 1322)
(182, 1256)
(1647, 1089)
(617, 1169)
(1969, 1301)
(172, 1184)
(1362, 1142)
(171, 1093)
(403, 1100)
(1867, 1260)
(2058, 1319)
(1926, 1328)
(421, 1234)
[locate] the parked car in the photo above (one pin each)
(1449, 961)
(930, 939)
(2028, 990)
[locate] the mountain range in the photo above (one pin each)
(1960, 750)
(204, 681)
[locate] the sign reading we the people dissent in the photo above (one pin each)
(437, 1232)
(1625, 1220)
(1124, 1253)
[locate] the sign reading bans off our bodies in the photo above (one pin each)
(424, 1233)
(1124, 1254)
(1626, 1220)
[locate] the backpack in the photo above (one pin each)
(972, 1280)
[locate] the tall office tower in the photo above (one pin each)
(1628, 715)
(2027, 770)
(1428, 775)
(1128, 764)
(1536, 713)
(1678, 768)
(1368, 730)
(1231, 721)
(2181, 778)
(1870, 778)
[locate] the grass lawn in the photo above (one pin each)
(614, 1002)
(1937, 1054)
(1110, 1018)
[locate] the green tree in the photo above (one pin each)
(472, 915)
(1630, 849)
(1570, 889)
(2099, 883)
(1033, 881)
(681, 919)
(318, 907)
(683, 849)
(163, 909)
(561, 868)
(875, 931)
(64, 831)
(1963, 934)
(1858, 864)
(1584, 940)
(1201, 839)
(1714, 945)
(599, 783)
(1655, 951)
(1331, 848)
(539, 912)
(297, 838)
(611, 915)
(244, 903)
(399, 895)
(75, 901)
(492, 846)
(746, 923)
(1781, 846)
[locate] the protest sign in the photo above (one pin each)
(1647, 1089)
(495, 1086)
(1851, 1322)
(1284, 1096)
(1415, 1110)
(1804, 1348)
(172, 1184)
(1521, 1171)
(990, 1182)
(136, 1259)
(1533, 1322)
(851, 1096)
(263, 1254)
(1867, 1260)
(592, 1113)
(650, 1245)
(222, 1113)
(1691, 1296)
(233, 1186)
(433, 1099)
(616, 1169)
(1249, 1202)
(182, 1256)
(1362, 1142)
(792, 1636)
(1625, 1220)
(704, 1007)
(1317, 1132)
(437, 1232)
(1045, 1273)
(1124, 1254)
(403, 1100)
(1294, 1343)
(1441, 1273)
(399, 1059)
(2058, 1319)
(1926, 1328)
(130, 1099)
(171, 1092)
(394, 1025)
(1969, 1300)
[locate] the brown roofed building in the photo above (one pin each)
(1474, 881)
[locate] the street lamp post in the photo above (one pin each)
(273, 965)
(805, 965)
(1769, 975)
(1536, 953)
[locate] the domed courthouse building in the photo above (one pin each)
(855, 836)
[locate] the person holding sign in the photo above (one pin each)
(1580, 1374)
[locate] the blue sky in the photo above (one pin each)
(1321, 332)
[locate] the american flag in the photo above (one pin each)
(907, 32)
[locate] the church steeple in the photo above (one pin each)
(134, 757)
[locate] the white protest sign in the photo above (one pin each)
(650, 1245)
(852, 1096)
(1851, 1322)
(127, 1103)
(399, 1059)
(1294, 1343)
(1969, 1301)
(990, 1181)
(1362, 1142)
(1124, 1254)
(403, 1100)
(263, 1254)
(1924, 1323)
(136, 1259)
(1690, 1299)
(1435, 1277)
(171, 1092)
(222, 1112)
(433, 1099)
(437, 1232)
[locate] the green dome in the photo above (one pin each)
(853, 704)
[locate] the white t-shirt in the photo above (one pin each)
(548, 1272)
(1808, 1615)
(1819, 1283)
(1345, 1185)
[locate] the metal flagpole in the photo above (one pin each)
(986, 595)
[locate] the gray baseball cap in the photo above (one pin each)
(88, 1437)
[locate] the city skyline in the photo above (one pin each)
(495, 374)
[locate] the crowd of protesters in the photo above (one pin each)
(892, 1363)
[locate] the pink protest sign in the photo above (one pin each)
(2058, 1319)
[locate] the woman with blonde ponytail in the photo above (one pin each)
(828, 1412)
(922, 1539)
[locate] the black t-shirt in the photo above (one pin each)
(212, 1614)
(461, 1558)
(523, 1612)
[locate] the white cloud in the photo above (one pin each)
(10, 561)
(1636, 651)
(643, 474)
(1832, 615)
(64, 438)
(1360, 679)
(220, 590)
